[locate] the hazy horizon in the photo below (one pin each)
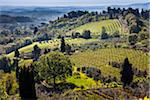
(68, 2)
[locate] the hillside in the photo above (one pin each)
(101, 58)
(82, 55)
(51, 44)
(96, 27)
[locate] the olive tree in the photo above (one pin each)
(54, 66)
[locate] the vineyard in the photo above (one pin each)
(101, 58)
(95, 27)
(98, 94)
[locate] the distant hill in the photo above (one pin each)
(12, 19)
(45, 14)
(135, 5)
(141, 5)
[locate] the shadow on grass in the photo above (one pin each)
(59, 88)
(65, 86)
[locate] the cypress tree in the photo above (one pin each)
(127, 73)
(17, 53)
(27, 84)
(35, 30)
(62, 47)
(15, 66)
(36, 53)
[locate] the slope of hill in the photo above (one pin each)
(51, 44)
(96, 27)
(101, 58)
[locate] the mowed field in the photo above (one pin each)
(51, 44)
(101, 58)
(96, 27)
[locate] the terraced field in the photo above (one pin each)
(96, 27)
(101, 58)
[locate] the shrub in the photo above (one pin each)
(86, 34)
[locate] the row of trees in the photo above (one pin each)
(86, 34)
(75, 14)
(114, 13)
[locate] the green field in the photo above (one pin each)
(101, 58)
(52, 44)
(95, 27)
(84, 81)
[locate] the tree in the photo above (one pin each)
(135, 29)
(111, 14)
(62, 46)
(35, 30)
(133, 39)
(8, 85)
(127, 73)
(16, 67)
(5, 64)
(104, 35)
(36, 52)
(86, 34)
(75, 35)
(17, 53)
(45, 37)
(68, 49)
(53, 66)
(27, 84)
(65, 16)
(3, 94)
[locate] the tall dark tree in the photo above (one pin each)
(62, 46)
(35, 30)
(36, 53)
(27, 84)
(108, 9)
(142, 12)
(16, 67)
(17, 53)
(65, 16)
(127, 73)
(104, 35)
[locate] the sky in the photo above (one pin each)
(68, 2)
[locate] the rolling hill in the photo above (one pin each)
(51, 44)
(101, 58)
(96, 27)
